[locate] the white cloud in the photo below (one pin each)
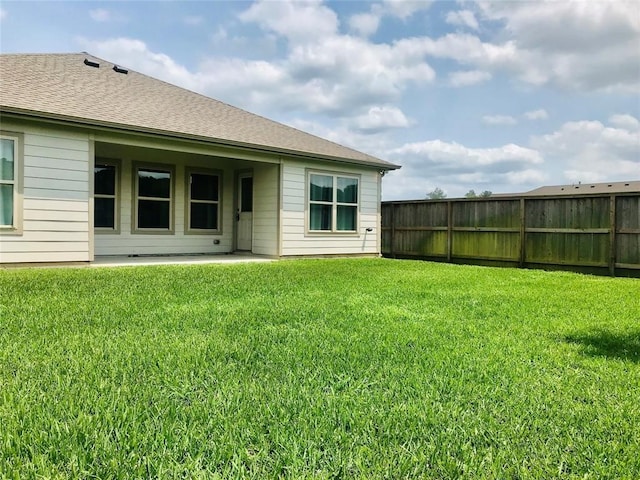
(437, 151)
(296, 21)
(247, 84)
(365, 24)
(456, 168)
(405, 8)
(323, 70)
(346, 72)
(583, 45)
(587, 151)
(625, 121)
(342, 132)
(540, 114)
(342, 76)
(193, 20)
(100, 15)
(463, 18)
(465, 49)
(569, 26)
(135, 55)
(3, 14)
(527, 176)
(593, 151)
(499, 120)
(468, 78)
(378, 119)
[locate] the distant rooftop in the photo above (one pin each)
(578, 188)
(632, 186)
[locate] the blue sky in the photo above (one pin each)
(500, 96)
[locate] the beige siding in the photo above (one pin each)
(295, 239)
(57, 206)
(55, 213)
(265, 210)
(126, 242)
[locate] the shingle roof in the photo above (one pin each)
(62, 86)
(580, 188)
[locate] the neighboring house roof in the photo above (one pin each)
(64, 87)
(580, 188)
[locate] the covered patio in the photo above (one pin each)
(140, 260)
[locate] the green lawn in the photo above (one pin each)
(363, 368)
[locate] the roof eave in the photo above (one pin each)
(33, 114)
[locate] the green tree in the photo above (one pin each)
(472, 194)
(436, 194)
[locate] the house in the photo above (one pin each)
(101, 160)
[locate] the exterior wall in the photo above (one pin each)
(179, 242)
(57, 223)
(265, 209)
(295, 238)
(56, 206)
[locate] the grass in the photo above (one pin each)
(318, 369)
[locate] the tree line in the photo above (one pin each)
(438, 194)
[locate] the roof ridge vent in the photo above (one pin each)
(118, 69)
(89, 63)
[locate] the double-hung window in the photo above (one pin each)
(203, 206)
(105, 201)
(154, 199)
(10, 157)
(333, 202)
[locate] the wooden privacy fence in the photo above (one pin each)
(599, 233)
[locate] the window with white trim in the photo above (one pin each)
(203, 201)
(9, 148)
(105, 201)
(333, 203)
(154, 199)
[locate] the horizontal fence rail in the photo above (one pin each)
(596, 233)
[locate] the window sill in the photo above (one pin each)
(203, 232)
(152, 231)
(10, 231)
(325, 233)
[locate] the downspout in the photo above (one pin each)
(91, 162)
(280, 203)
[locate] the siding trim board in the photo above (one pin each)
(335, 203)
(117, 163)
(16, 228)
(136, 198)
(187, 201)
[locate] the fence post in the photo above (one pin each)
(393, 231)
(523, 232)
(612, 235)
(449, 229)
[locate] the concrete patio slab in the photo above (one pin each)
(128, 261)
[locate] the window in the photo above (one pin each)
(203, 206)
(10, 194)
(153, 199)
(105, 203)
(333, 203)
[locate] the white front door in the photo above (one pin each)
(245, 212)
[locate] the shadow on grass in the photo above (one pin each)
(625, 346)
